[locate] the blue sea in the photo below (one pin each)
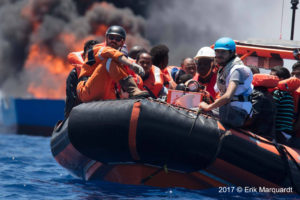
(28, 171)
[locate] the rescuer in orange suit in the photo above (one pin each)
(104, 65)
(154, 78)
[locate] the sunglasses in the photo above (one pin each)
(115, 37)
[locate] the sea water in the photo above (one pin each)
(28, 171)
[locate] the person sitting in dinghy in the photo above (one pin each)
(160, 58)
(207, 70)
(154, 78)
(234, 84)
(263, 106)
(189, 66)
(284, 103)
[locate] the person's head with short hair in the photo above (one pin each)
(281, 72)
(188, 65)
(296, 69)
(254, 69)
(135, 50)
(160, 56)
(184, 78)
(225, 50)
(144, 59)
(88, 45)
(115, 36)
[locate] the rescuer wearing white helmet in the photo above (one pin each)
(206, 68)
(234, 84)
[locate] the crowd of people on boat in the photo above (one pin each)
(239, 95)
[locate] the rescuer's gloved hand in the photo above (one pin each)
(138, 69)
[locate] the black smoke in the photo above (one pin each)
(43, 22)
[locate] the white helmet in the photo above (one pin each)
(205, 52)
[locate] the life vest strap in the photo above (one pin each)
(241, 98)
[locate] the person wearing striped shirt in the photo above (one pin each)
(285, 115)
(285, 108)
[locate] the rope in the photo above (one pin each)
(194, 122)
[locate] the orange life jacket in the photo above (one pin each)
(168, 80)
(170, 68)
(290, 84)
(76, 59)
(296, 96)
(209, 86)
(265, 80)
(155, 81)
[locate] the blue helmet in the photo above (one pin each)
(225, 43)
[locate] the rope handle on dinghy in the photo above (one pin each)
(164, 167)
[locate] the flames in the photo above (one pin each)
(55, 33)
(50, 71)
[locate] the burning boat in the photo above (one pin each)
(43, 34)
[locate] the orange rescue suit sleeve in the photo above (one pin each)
(107, 52)
(106, 69)
(155, 80)
(99, 86)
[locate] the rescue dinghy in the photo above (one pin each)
(147, 142)
(154, 143)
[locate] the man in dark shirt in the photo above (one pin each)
(262, 121)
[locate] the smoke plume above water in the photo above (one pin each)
(186, 26)
(37, 35)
